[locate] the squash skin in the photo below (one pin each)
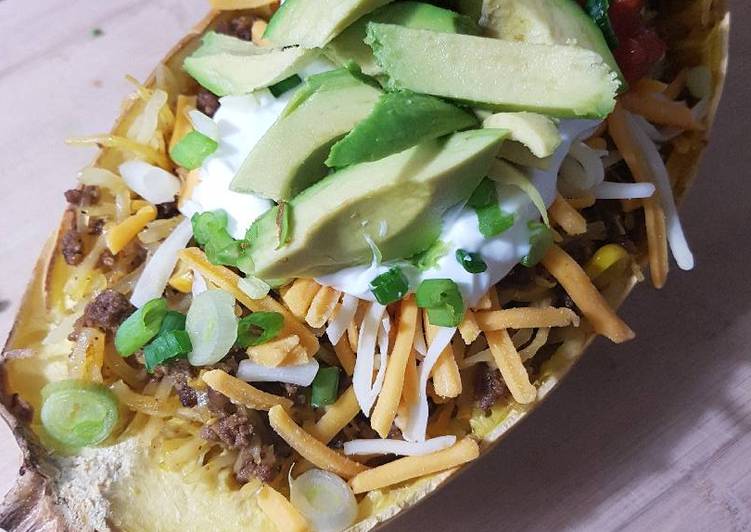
(33, 504)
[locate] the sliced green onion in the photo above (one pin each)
(166, 346)
(443, 300)
(254, 287)
(471, 262)
(325, 387)
(598, 11)
(211, 326)
(140, 327)
(540, 239)
(78, 413)
(285, 85)
(210, 231)
(173, 321)
(259, 328)
(208, 225)
(491, 219)
(390, 286)
(428, 259)
(192, 149)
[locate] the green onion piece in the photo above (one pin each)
(259, 328)
(212, 327)
(390, 286)
(428, 259)
(598, 11)
(210, 231)
(325, 387)
(285, 85)
(208, 225)
(78, 413)
(491, 219)
(166, 346)
(173, 321)
(140, 327)
(253, 287)
(443, 300)
(472, 262)
(540, 239)
(192, 149)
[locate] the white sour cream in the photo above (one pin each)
(461, 231)
(242, 121)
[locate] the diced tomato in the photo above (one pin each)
(640, 47)
(637, 55)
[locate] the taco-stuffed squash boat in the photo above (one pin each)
(334, 249)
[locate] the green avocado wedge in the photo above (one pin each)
(230, 66)
(562, 81)
(350, 45)
(314, 23)
(537, 132)
(398, 121)
(335, 102)
(546, 22)
(395, 204)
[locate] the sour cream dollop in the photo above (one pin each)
(241, 121)
(461, 231)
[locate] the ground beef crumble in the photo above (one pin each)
(489, 386)
(234, 431)
(240, 27)
(207, 102)
(71, 247)
(106, 311)
(167, 210)
(83, 197)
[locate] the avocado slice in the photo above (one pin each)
(546, 22)
(564, 81)
(227, 65)
(350, 45)
(398, 121)
(535, 131)
(290, 156)
(314, 23)
(396, 203)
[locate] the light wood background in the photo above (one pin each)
(652, 435)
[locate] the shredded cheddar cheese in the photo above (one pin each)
(273, 353)
(183, 126)
(577, 284)
(468, 328)
(242, 393)
(391, 393)
(568, 218)
(310, 448)
(512, 369)
(526, 318)
(280, 510)
(345, 355)
(121, 235)
(411, 467)
(337, 416)
(299, 296)
(322, 306)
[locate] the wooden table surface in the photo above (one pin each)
(652, 435)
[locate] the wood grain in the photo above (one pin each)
(650, 435)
